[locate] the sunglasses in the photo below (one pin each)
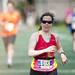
(49, 22)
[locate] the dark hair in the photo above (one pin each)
(11, 2)
(46, 14)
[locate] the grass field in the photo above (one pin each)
(21, 61)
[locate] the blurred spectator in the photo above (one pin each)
(70, 22)
(30, 12)
(73, 28)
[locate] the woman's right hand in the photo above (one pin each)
(51, 49)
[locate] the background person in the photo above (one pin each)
(9, 23)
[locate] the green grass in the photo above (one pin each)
(21, 61)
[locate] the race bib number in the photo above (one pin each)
(9, 27)
(45, 64)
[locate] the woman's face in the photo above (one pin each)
(10, 7)
(46, 23)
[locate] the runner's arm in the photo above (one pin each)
(61, 51)
(32, 45)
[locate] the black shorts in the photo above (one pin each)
(73, 30)
(33, 72)
(70, 28)
(10, 39)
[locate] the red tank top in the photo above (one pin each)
(42, 44)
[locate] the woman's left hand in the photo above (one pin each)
(63, 58)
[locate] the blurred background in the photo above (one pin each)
(58, 7)
(31, 11)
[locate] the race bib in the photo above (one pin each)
(9, 27)
(45, 64)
